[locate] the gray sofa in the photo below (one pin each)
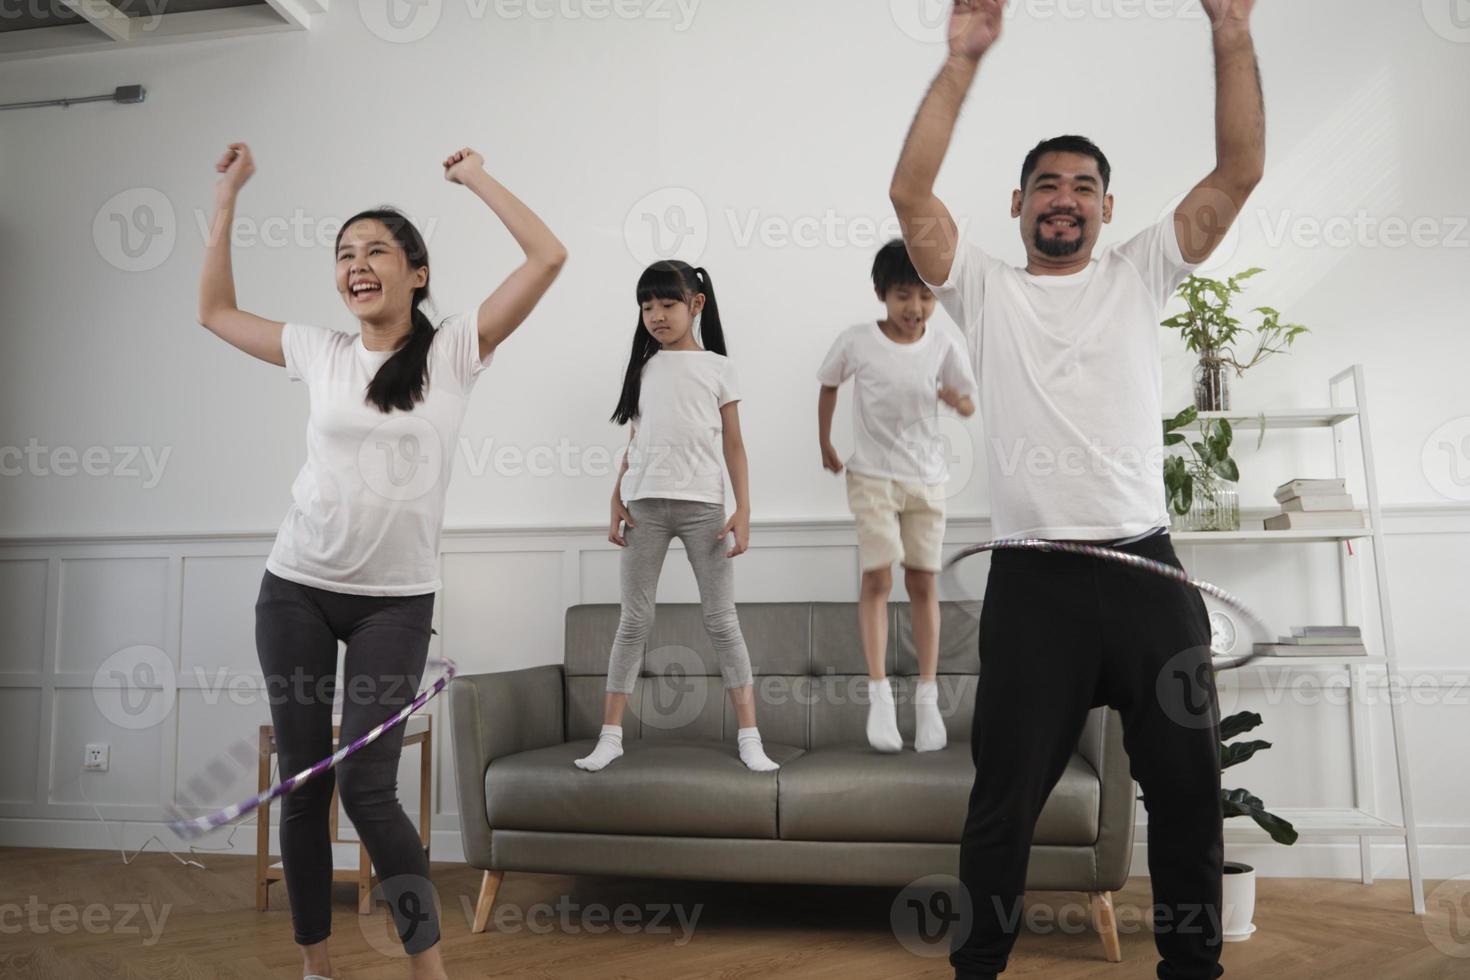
(679, 803)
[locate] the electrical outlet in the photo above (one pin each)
(95, 757)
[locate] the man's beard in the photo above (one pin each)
(1058, 248)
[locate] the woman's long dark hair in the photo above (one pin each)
(399, 383)
(675, 280)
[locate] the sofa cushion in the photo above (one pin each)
(854, 793)
(658, 786)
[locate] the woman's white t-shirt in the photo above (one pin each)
(678, 442)
(368, 507)
(895, 414)
(1071, 385)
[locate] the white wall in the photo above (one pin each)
(775, 112)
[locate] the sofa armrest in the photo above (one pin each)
(1102, 746)
(495, 715)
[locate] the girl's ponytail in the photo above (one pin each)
(710, 330)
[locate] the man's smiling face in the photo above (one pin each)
(1063, 207)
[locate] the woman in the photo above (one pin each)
(357, 556)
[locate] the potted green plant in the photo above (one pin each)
(1200, 485)
(1238, 897)
(1211, 332)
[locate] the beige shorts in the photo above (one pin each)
(897, 522)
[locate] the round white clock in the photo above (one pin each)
(1223, 633)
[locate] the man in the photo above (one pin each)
(1066, 355)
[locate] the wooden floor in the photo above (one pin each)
(1305, 929)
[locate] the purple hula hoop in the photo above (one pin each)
(199, 825)
(1137, 561)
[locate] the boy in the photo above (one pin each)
(896, 476)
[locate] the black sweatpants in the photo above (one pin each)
(1059, 635)
(296, 632)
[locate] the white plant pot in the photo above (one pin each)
(1238, 902)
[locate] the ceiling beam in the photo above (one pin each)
(103, 16)
(297, 13)
(193, 25)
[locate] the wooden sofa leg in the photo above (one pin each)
(489, 885)
(1106, 924)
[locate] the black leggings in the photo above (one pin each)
(1059, 635)
(296, 632)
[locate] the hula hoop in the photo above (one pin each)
(200, 825)
(1137, 561)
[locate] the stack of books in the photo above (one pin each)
(1317, 641)
(1313, 504)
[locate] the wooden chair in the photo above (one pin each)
(350, 861)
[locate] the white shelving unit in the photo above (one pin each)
(1357, 821)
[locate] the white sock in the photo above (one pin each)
(930, 735)
(751, 751)
(609, 747)
(883, 717)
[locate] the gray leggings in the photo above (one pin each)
(657, 521)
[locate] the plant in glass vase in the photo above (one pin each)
(1211, 332)
(1200, 485)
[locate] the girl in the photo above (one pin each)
(357, 557)
(682, 401)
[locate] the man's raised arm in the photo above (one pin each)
(928, 228)
(1208, 211)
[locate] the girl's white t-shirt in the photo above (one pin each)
(895, 414)
(1071, 385)
(368, 506)
(678, 442)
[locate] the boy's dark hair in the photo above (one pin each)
(893, 268)
(1067, 144)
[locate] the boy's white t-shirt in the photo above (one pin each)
(678, 442)
(1071, 385)
(368, 507)
(895, 413)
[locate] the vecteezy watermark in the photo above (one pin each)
(1021, 455)
(928, 20)
(1186, 690)
(402, 458)
(299, 229)
(37, 460)
(678, 690)
(675, 223)
(1212, 217)
(1446, 459)
(407, 21)
(670, 223)
(1449, 934)
(931, 916)
(1450, 19)
(137, 229)
(414, 907)
(1337, 689)
(136, 687)
(571, 918)
(143, 16)
(96, 919)
(1362, 229)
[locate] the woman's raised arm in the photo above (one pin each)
(254, 335)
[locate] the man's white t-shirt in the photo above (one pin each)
(895, 413)
(678, 442)
(1071, 385)
(368, 507)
